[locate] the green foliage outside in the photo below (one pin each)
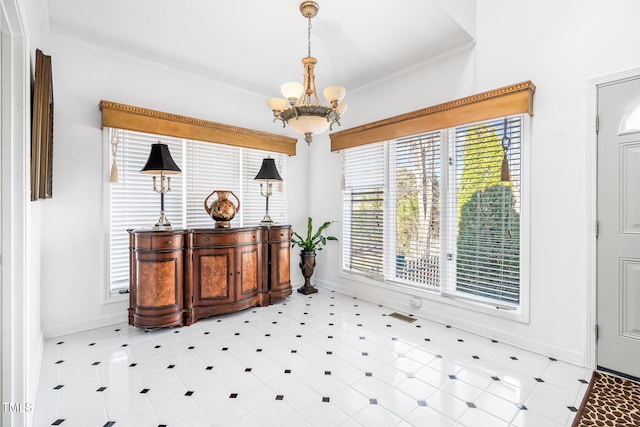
(488, 244)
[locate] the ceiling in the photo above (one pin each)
(256, 45)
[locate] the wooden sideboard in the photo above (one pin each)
(180, 276)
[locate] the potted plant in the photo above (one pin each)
(308, 247)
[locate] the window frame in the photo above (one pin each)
(521, 313)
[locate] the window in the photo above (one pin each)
(205, 167)
(439, 211)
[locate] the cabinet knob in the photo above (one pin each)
(169, 242)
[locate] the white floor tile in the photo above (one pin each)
(321, 360)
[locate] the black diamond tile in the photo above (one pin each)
(219, 320)
(233, 395)
(247, 370)
(294, 351)
(476, 357)
(325, 399)
(287, 371)
(101, 389)
(438, 356)
(364, 353)
(389, 326)
(327, 372)
(162, 425)
(207, 332)
(92, 344)
(360, 324)
(225, 348)
(368, 374)
(158, 346)
(453, 377)
(329, 352)
(427, 339)
(279, 397)
(189, 393)
(330, 337)
(418, 326)
(540, 380)
(330, 324)
(59, 362)
(237, 333)
(190, 347)
(394, 338)
(60, 342)
(176, 332)
(124, 345)
(58, 387)
(246, 321)
(471, 405)
(373, 401)
(513, 358)
(298, 336)
(448, 327)
(553, 359)
(95, 363)
(422, 403)
(494, 341)
(362, 338)
(521, 407)
(302, 323)
(583, 381)
(57, 422)
(109, 424)
(460, 340)
(171, 366)
(208, 368)
(495, 378)
(267, 335)
(145, 390)
(572, 408)
(117, 330)
(258, 350)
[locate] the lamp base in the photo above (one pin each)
(163, 223)
(266, 220)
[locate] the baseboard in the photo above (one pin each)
(72, 328)
(392, 299)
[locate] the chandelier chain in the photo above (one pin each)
(309, 37)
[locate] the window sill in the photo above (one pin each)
(113, 298)
(517, 314)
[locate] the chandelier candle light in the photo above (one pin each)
(161, 163)
(304, 114)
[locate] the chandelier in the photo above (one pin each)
(301, 108)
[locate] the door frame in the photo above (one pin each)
(591, 158)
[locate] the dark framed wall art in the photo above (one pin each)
(42, 129)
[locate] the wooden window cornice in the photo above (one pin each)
(139, 119)
(505, 101)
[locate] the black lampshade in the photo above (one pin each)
(268, 171)
(160, 161)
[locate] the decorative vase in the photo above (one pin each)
(307, 266)
(222, 210)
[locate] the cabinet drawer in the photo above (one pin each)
(277, 234)
(158, 242)
(226, 238)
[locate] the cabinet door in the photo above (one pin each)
(250, 271)
(156, 295)
(214, 272)
(279, 263)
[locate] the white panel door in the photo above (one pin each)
(618, 287)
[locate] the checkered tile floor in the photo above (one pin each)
(321, 360)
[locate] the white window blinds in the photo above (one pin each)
(486, 181)
(205, 167)
(364, 179)
(415, 191)
(452, 207)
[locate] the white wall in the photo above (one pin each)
(74, 236)
(559, 46)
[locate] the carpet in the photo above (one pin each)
(609, 401)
